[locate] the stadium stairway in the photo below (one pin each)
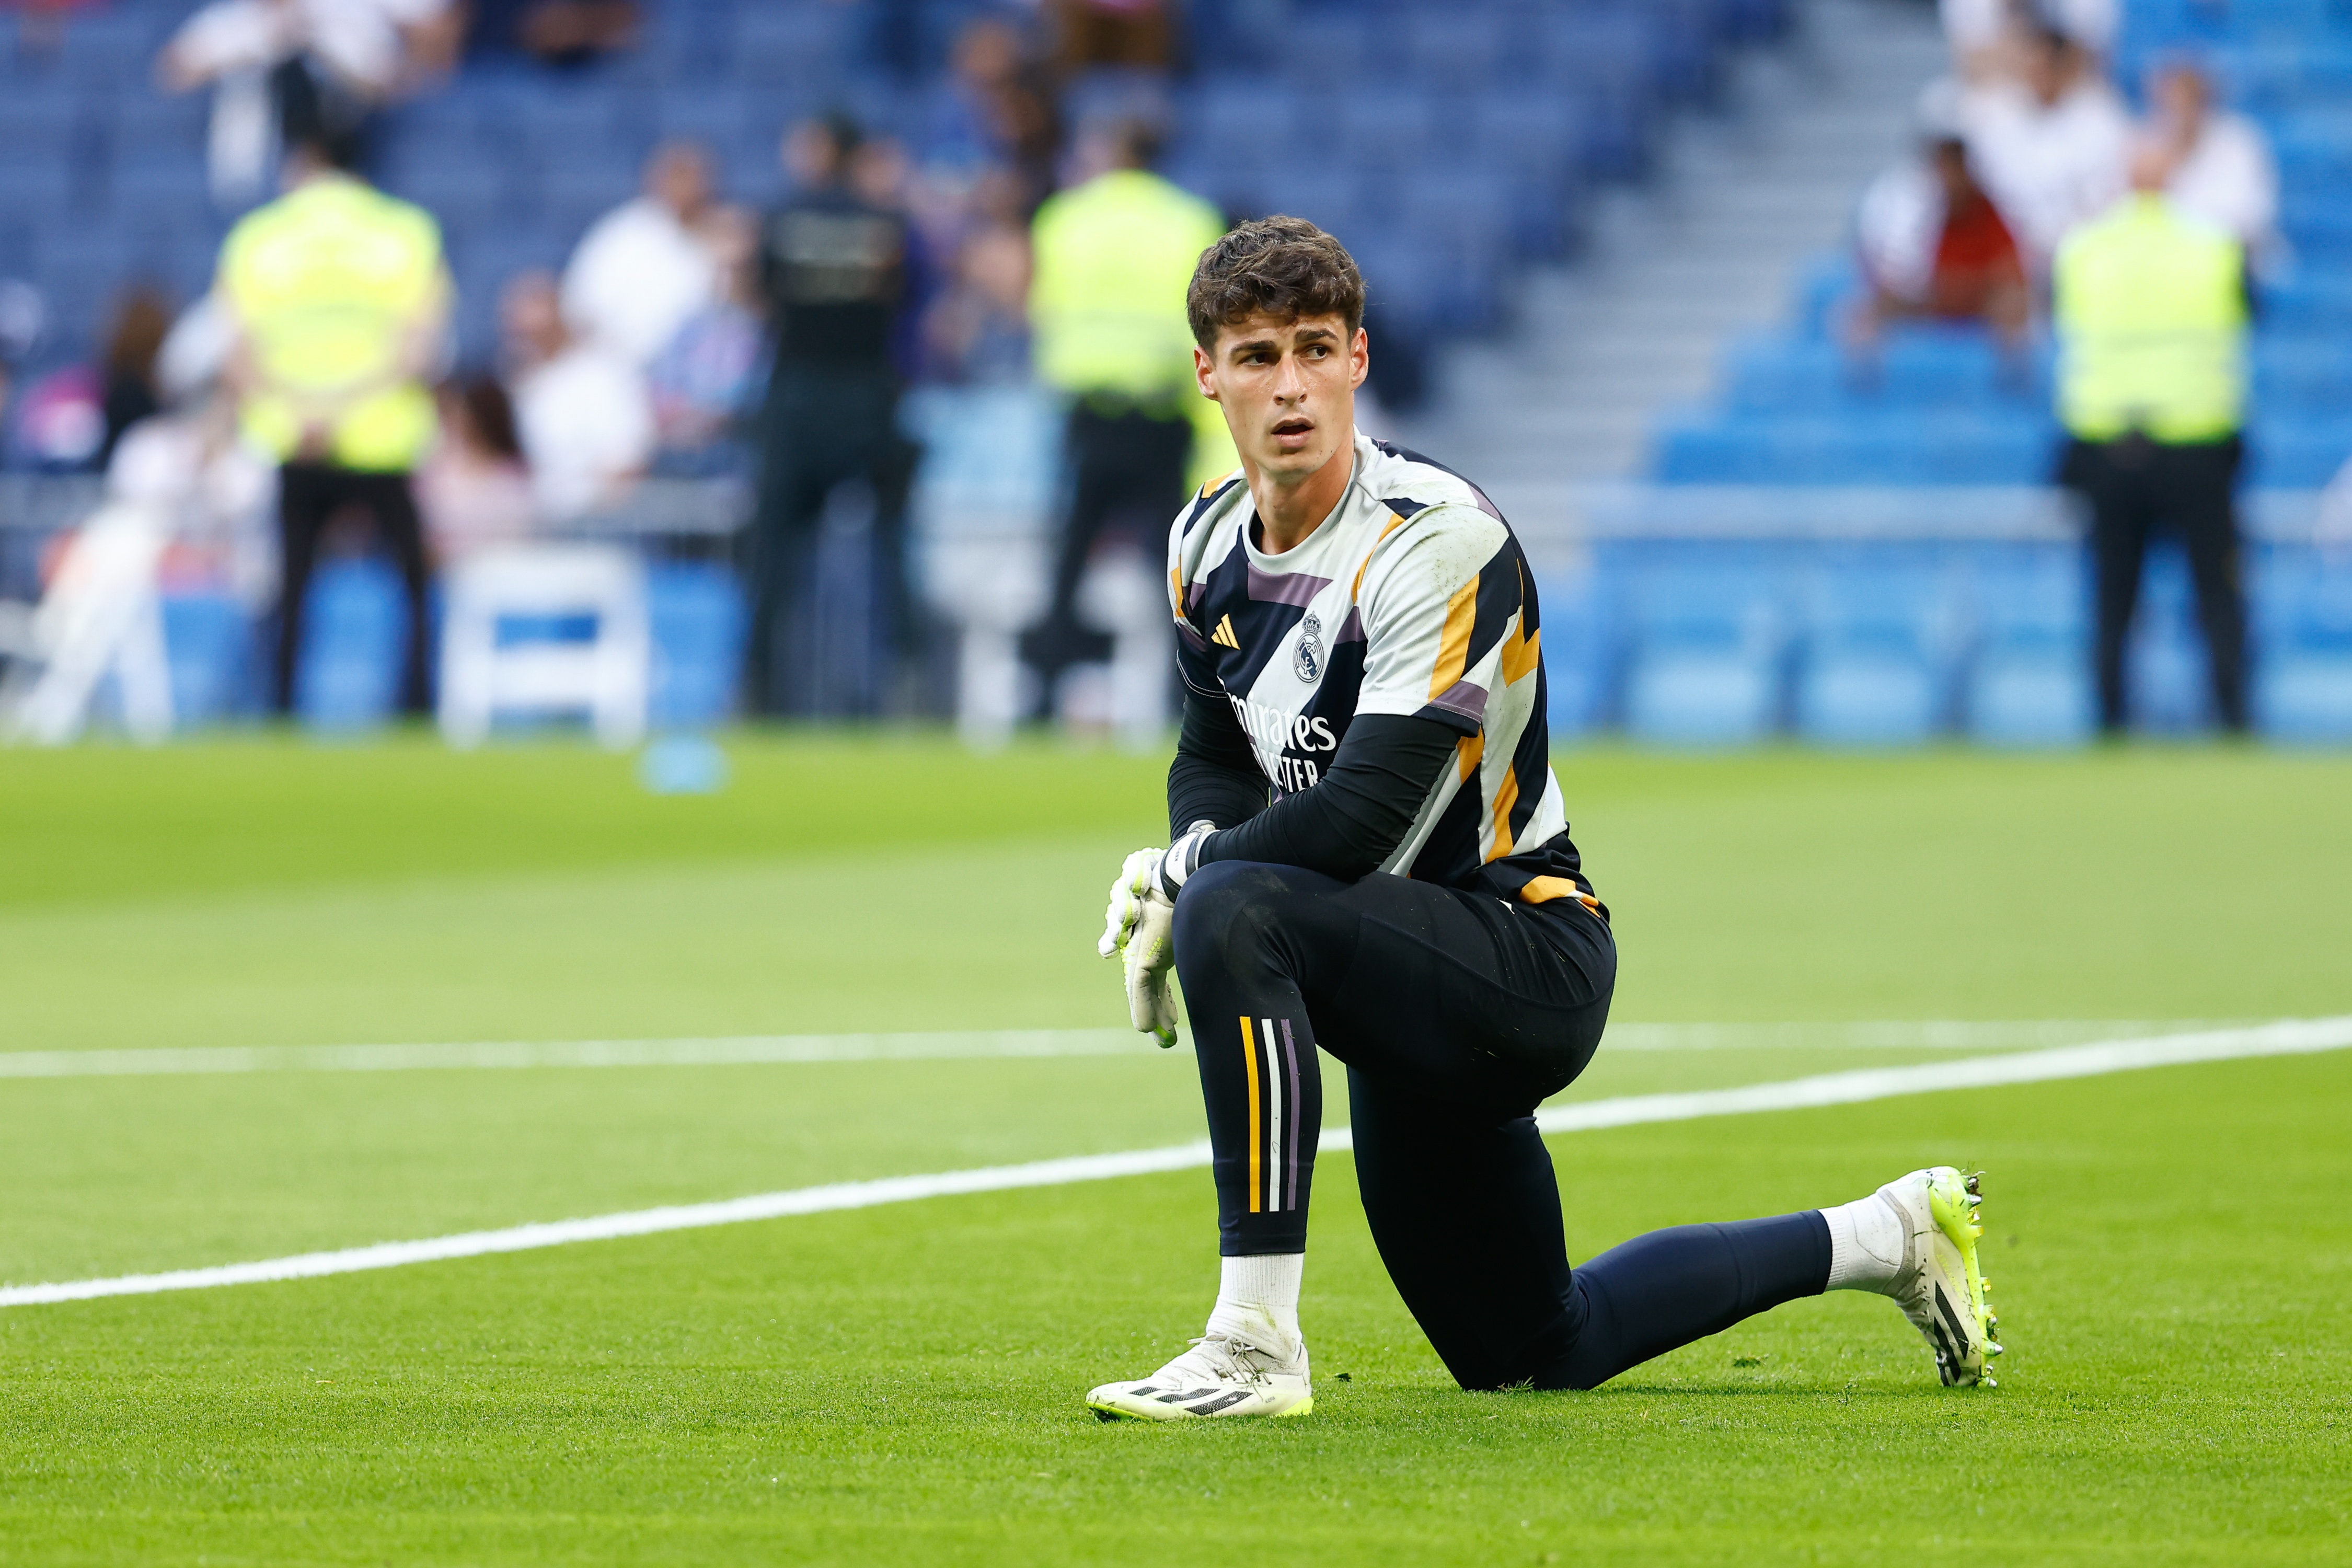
(1746, 197)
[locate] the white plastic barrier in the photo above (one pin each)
(101, 614)
(1125, 595)
(604, 677)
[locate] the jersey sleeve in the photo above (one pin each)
(1436, 605)
(1194, 662)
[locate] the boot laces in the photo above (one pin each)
(1232, 1358)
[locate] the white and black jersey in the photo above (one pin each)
(1411, 599)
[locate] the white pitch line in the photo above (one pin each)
(733, 1050)
(718, 1051)
(2286, 1038)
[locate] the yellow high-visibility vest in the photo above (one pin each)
(2150, 308)
(1113, 260)
(328, 282)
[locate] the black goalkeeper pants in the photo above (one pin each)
(1456, 1014)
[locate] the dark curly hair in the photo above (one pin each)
(1280, 266)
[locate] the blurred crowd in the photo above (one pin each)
(2028, 139)
(1012, 237)
(315, 393)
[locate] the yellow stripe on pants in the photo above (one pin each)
(1249, 1055)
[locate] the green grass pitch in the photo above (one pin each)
(2172, 1249)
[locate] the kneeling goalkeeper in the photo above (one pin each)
(1371, 855)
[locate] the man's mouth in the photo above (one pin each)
(1293, 428)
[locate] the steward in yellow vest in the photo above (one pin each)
(1114, 257)
(2150, 308)
(339, 298)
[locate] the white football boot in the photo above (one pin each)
(1938, 1286)
(1223, 1374)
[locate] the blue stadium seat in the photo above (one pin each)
(2302, 676)
(1335, 46)
(1872, 670)
(695, 613)
(2298, 450)
(1331, 195)
(353, 637)
(1606, 57)
(210, 645)
(799, 47)
(1460, 221)
(2029, 684)
(1404, 277)
(1390, 132)
(105, 51)
(160, 193)
(40, 188)
(2293, 377)
(1702, 665)
(1766, 372)
(1827, 284)
(150, 125)
(1576, 648)
(35, 127)
(459, 192)
(2314, 304)
(1458, 48)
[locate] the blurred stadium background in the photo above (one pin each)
(1628, 267)
(1612, 254)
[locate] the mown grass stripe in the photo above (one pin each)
(761, 1049)
(2286, 1038)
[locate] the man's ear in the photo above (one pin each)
(1360, 359)
(1202, 367)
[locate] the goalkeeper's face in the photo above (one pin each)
(1288, 390)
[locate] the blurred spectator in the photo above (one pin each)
(23, 315)
(58, 422)
(832, 268)
(2150, 308)
(338, 296)
(195, 352)
(702, 384)
(474, 489)
(142, 321)
(1986, 36)
(2221, 167)
(882, 177)
(41, 23)
(998, 114)
(1933, 245)
(2048, 146)
(557, 32)
(303, 71)
(1114, 256)
(977, 333)
(643, 268)
(191, 465)
(1138, 34)
(580, 410)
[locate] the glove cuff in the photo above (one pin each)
(1183, 858)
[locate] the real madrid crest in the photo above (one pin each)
(1308, 660)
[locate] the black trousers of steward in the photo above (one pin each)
(312, 497)
(1127, 470)
(1456, 1014)
(2136, 488)
(822, 426)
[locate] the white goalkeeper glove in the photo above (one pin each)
(1140, 929)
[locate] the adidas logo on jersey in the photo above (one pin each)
(1224, 634)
